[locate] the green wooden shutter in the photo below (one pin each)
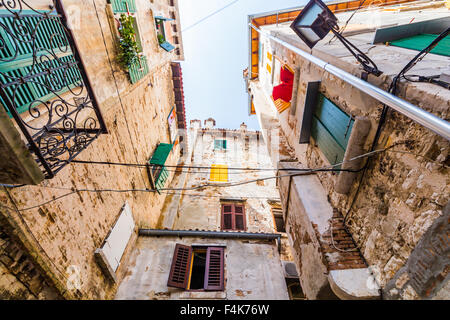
(138, 69)
(159, 158)
(161, 153)
(224, 144)
(22, 64)
(161, 179)
(331, 128)
(120, 6)
(421, 41)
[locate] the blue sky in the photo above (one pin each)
(216, 53)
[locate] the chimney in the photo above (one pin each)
(196, 124)
(210, 123)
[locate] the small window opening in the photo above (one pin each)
(198, 270)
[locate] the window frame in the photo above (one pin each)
(279, 214)
(233, 216)
(221, 146)
(157, 171)
(161, 30)
(180, 273)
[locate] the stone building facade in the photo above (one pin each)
(48, 243)
(357, 235)
(255, 252)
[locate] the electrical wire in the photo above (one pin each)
(117, 87)
(384, 112)
(341, 30)
(209, 16)
(221, 185)
(139, 165)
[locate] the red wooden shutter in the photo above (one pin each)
(227, 217)
(239, 217)
(214, 272)
(181, 263)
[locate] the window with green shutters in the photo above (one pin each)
(126, 9)
(220, 144)
(157, 162)
(421, 41)
(331, 128)
(161, 33)
(123, 6)
(22, 65)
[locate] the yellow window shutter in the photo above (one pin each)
(269, 56)
(219, 173)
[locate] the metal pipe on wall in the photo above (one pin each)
(424, 118)
(212, 234)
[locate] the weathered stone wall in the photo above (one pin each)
(401, 193)
(244, 150)
(69, 230)
(19, 276)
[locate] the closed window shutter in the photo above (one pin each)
(219, 173)
(138, 69)
(214, 272)
(233, 217)
(11, 66)
(227, 217)
(181, 264)
(239, 217)
(331, 128)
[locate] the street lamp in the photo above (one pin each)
(315, 21)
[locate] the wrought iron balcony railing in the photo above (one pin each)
(44, 86)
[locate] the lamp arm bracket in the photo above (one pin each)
(368, 65)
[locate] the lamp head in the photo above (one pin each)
(314, 22)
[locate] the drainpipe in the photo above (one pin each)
(426, 119)
(212, 234)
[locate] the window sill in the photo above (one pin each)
(203, 295)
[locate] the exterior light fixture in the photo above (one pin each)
(315, 21)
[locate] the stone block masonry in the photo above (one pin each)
(19, 276)
(426, 273)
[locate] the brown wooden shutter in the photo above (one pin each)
(239, 217)
(227, 216)
(181, 263)
(214, 272)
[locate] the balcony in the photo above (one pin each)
(45, 93)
